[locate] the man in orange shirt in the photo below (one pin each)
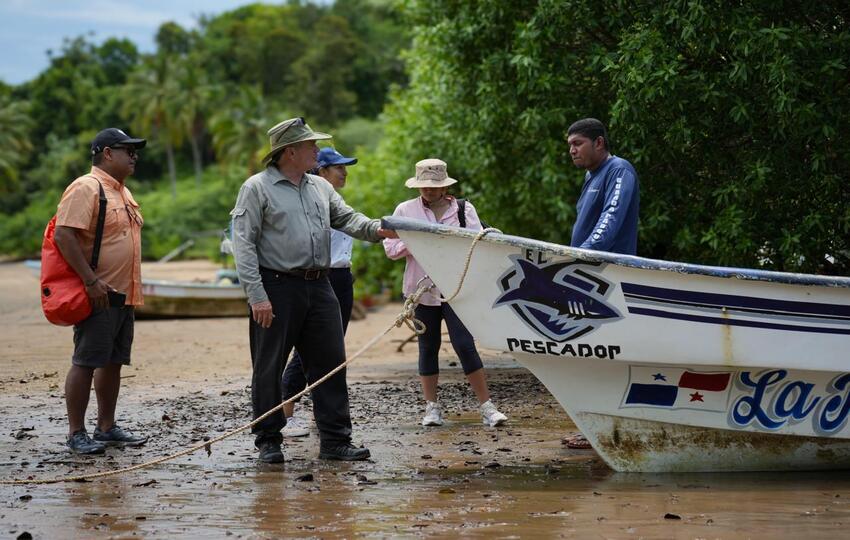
(103, 341)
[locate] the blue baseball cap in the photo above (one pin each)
(328, 156)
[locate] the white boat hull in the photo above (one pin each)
(664, 366)
(174, 299)
(700, 436)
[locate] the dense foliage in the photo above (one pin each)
(733, 113)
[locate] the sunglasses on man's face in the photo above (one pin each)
(129, 149)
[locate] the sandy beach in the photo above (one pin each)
(190, 379)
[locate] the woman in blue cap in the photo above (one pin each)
(330, 165)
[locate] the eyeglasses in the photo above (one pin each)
(130, 150)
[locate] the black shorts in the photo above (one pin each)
(104, 338)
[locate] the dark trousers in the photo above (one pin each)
(307, 318)
(429, 342)
(342, 282)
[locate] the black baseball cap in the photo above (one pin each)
(110, 137)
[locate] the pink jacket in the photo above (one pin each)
(395, 248)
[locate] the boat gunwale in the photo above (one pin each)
(190, 284)
(631, 261)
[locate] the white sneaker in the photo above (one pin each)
(296, 427)
(433, 414)
(491, 416)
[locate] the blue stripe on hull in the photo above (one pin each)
(773, 306)
(736, 322)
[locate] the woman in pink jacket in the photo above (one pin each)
(436, 206)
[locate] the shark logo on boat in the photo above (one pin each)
(560, 301)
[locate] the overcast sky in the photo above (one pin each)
(28, 28)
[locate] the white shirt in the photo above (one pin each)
(341, 246)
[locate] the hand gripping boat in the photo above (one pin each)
(664, 366)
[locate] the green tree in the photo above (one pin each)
(62, 160)
(747, 158)
(117, 58)
(325, 72)
(151, 99)
(193, 99)
(253, 44)
(79, 91)
(240, 129)
(173, 40)
(381, 32)
(15, 145)
(309, 54)
(281, 48)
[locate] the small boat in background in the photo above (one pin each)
(178, 299)
(664, 366)
(172, 299)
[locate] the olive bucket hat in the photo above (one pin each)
(290, 132)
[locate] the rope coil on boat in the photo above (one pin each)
(405, 317)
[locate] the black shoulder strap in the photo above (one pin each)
(101, 218)
(461, 212)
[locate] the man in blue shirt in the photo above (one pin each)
(607, 210)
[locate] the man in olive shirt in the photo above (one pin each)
(281, 241)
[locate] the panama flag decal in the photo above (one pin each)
(677, 388)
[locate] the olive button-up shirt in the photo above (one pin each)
(282, 226)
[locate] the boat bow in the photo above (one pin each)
(665, 365)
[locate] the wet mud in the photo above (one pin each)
(189, 382)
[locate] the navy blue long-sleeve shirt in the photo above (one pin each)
(607, 210)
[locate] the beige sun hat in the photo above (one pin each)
(290, 132)
(430, 173)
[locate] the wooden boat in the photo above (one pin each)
(664, 366)
(180, 299)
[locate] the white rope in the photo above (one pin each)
(481, 234)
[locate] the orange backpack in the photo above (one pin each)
(63, 293)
